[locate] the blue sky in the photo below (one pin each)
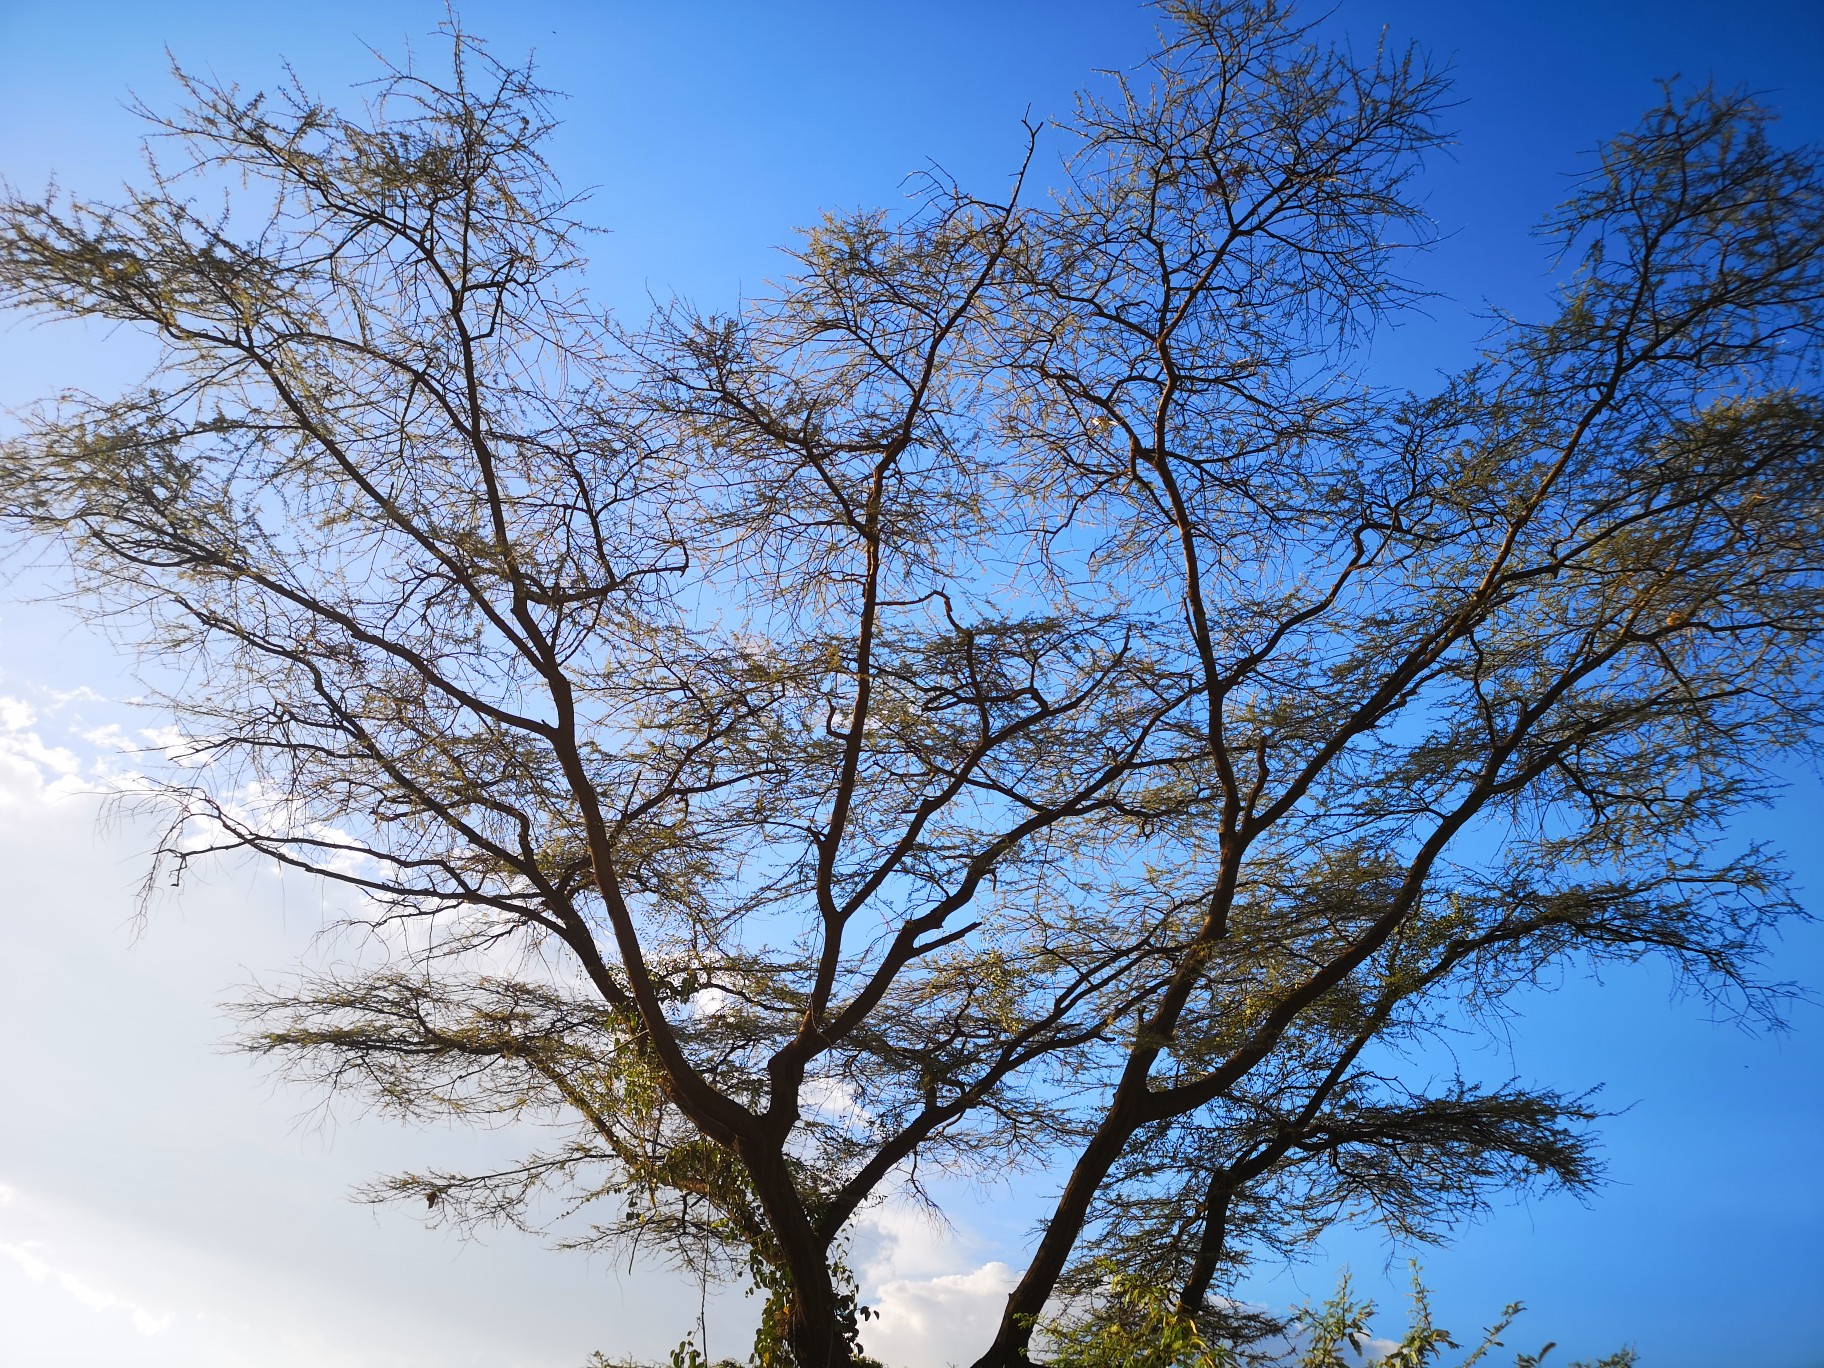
(149, 1174)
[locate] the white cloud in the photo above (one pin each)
(227, 1217)
(936, 1300)
(834, 1100)
(709, 1001)
(36, 772)
(900, 1239)
(39, 1269)
(947, 1319)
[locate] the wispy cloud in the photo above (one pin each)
(40, 1269)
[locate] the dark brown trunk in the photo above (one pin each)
(816, 1339)
(1028, 1299)
(1209, 1247)
(811, 1329)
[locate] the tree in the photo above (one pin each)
(1014, 696)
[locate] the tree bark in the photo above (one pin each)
(1027, 1300)
(812, 1329)
(1209, 1247)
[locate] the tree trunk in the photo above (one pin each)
(812, 1329)
(1028, 1299)
(1209, 1248)
(816, 1339)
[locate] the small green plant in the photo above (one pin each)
(686, 1355)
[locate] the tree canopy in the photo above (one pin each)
(1015, 697)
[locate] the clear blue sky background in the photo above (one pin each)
(710, 130)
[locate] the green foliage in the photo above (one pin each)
(772, 1339)
(1138, 1324)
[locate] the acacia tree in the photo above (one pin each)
(1015, 696)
